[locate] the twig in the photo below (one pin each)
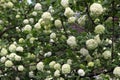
(113, 26)
(5, 30)
(88, 14)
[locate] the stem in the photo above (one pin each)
(88, 13)
(113, 27)
(64, 28)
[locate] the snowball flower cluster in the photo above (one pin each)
(3, 59)
(27, 28)
(99, 29)
(17, 58)
(53, 35)
(84, 51)
(51, 64)
(25, 21)
(71, 41)
(66, 68)
(20, 68)
(38, 6)
(48, 54)
(71, 20)
(8, 63)
(91, 64)
(12, 48)
(19, 49)
(57, 66)
(116, 71)
(68, 12)
(96, 9)
(81, 72)
(46, 16)
(3, 52)
(65, 3)
(107, 54)
(37, 26)
(97, 39)
(57, 73)
(91, 44)
(10, 4)
(34, 13)
(40, 66)
(58, 23)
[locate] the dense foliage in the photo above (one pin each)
(59, 40)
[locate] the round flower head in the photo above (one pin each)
(53, 35)
(57, 73)
(51, 64)
(3, 59)
(81, 72)
(27, 28)
(66, 69)
(91, 44)
(10, 4)
(71, 41)
(107, 54)
(40, 66)
(8, 63)
(46, 16)
(34, 13)
(116, 71)
(71, 20)
(38, 6)
(97, 39)
(99, 29)
(17, 58)
(84, 51)
(20, 68)
(96, 9)
(25, 21)
(12, 48)
(57, 66)
(65, 3)
(37, 26)
(68, 12)
(3, 52)
(58, 23)
(19, 49)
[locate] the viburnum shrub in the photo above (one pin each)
(59, 40)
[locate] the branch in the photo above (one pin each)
(5, 30)
(113, 26)
(92, 74)
(88, 14)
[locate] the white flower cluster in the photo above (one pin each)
(96, 9)
(91, 44)
(116, 71)
(65, 3)
(46, 16)
(38, 6)
(27, 28)
(58, 23)
(66, 68)
(99, 29)
(84, 51)
(81, 72)
(40, 66)
(107, 54)
(71, 41)
(68, 12)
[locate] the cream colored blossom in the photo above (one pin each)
(66, 68)
(96, 9)
(91, 44)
